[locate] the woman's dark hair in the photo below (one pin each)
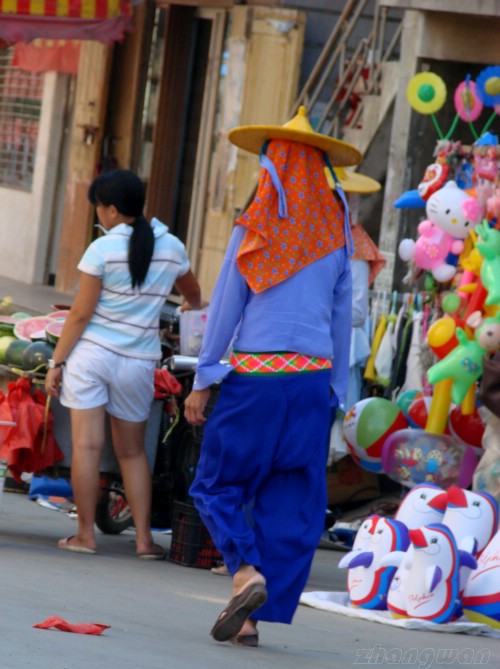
(127, 193)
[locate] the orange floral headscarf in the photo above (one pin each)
(366, 249)
(287, 232)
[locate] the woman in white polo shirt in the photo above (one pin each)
(105, 359)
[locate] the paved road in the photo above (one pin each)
(160, 613)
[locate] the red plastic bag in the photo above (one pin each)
(165, 384)
(30, 445)
(5, 430)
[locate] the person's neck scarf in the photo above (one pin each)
(294, 218)
(366, 249)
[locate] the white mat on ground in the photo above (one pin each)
(338, 602)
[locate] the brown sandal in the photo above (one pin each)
(232, 618)
(249, 640)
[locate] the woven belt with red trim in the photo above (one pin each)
(276, 363)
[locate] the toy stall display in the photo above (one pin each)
(437, 560)
(435, 430)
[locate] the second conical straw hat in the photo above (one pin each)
(352, 182)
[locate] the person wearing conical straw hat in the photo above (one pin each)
(366, 263)
(283, 302)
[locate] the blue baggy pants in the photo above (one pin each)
(265, 445)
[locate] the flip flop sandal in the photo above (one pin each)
(64, 545)
(152, 556)
(249, 640)
(231, 619)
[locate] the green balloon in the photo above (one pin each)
(405, 399)
(426, 93)
(451, 303)
(429, 283)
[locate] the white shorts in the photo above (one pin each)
(94, 376)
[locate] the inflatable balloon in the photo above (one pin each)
(418, 412)
(472, 517)
(451, 215)
(422, 505)
(481, 598)
(464, 364)
(406, 398)
(489, 247)
(368, 582)
(416, 456)
(441, 337)
(451, 303)
(367, 425)
(409, 200)
(433, 584)
(467, 428)
(435, 177)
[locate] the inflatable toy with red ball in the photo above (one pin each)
(418, 412)
(367, 425)
(467, 428)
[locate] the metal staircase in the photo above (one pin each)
(354, 81)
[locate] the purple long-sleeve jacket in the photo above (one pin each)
(309, 313)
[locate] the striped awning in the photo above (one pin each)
(102, 20)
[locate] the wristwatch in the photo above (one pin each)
(54, 365)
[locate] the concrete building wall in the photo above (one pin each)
(26, 217)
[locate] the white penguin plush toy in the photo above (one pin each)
(481, 598)
(472, 517)
(433, 580)
(423, 505)
(368, 581)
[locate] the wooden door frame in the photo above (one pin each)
(167, 138)
(205, 141)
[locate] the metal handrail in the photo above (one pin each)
(373, 84)
(367, 54)
(346, 83)
(324, 55)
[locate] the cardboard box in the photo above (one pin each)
(348, 482)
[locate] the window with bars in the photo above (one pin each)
(20, 108)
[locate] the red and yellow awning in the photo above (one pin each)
(76, 9)
(26, 20)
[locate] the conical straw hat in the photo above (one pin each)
(352, 182)
(298, 129)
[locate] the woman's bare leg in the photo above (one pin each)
(128, 442)
(87, 435)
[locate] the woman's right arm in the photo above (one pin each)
(190, 289)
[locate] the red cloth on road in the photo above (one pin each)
(79, 628)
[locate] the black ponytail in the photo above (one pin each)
(127, 193)
(140, 250)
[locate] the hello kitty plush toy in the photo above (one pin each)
(452, 214)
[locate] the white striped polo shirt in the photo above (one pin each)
(126, 319)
